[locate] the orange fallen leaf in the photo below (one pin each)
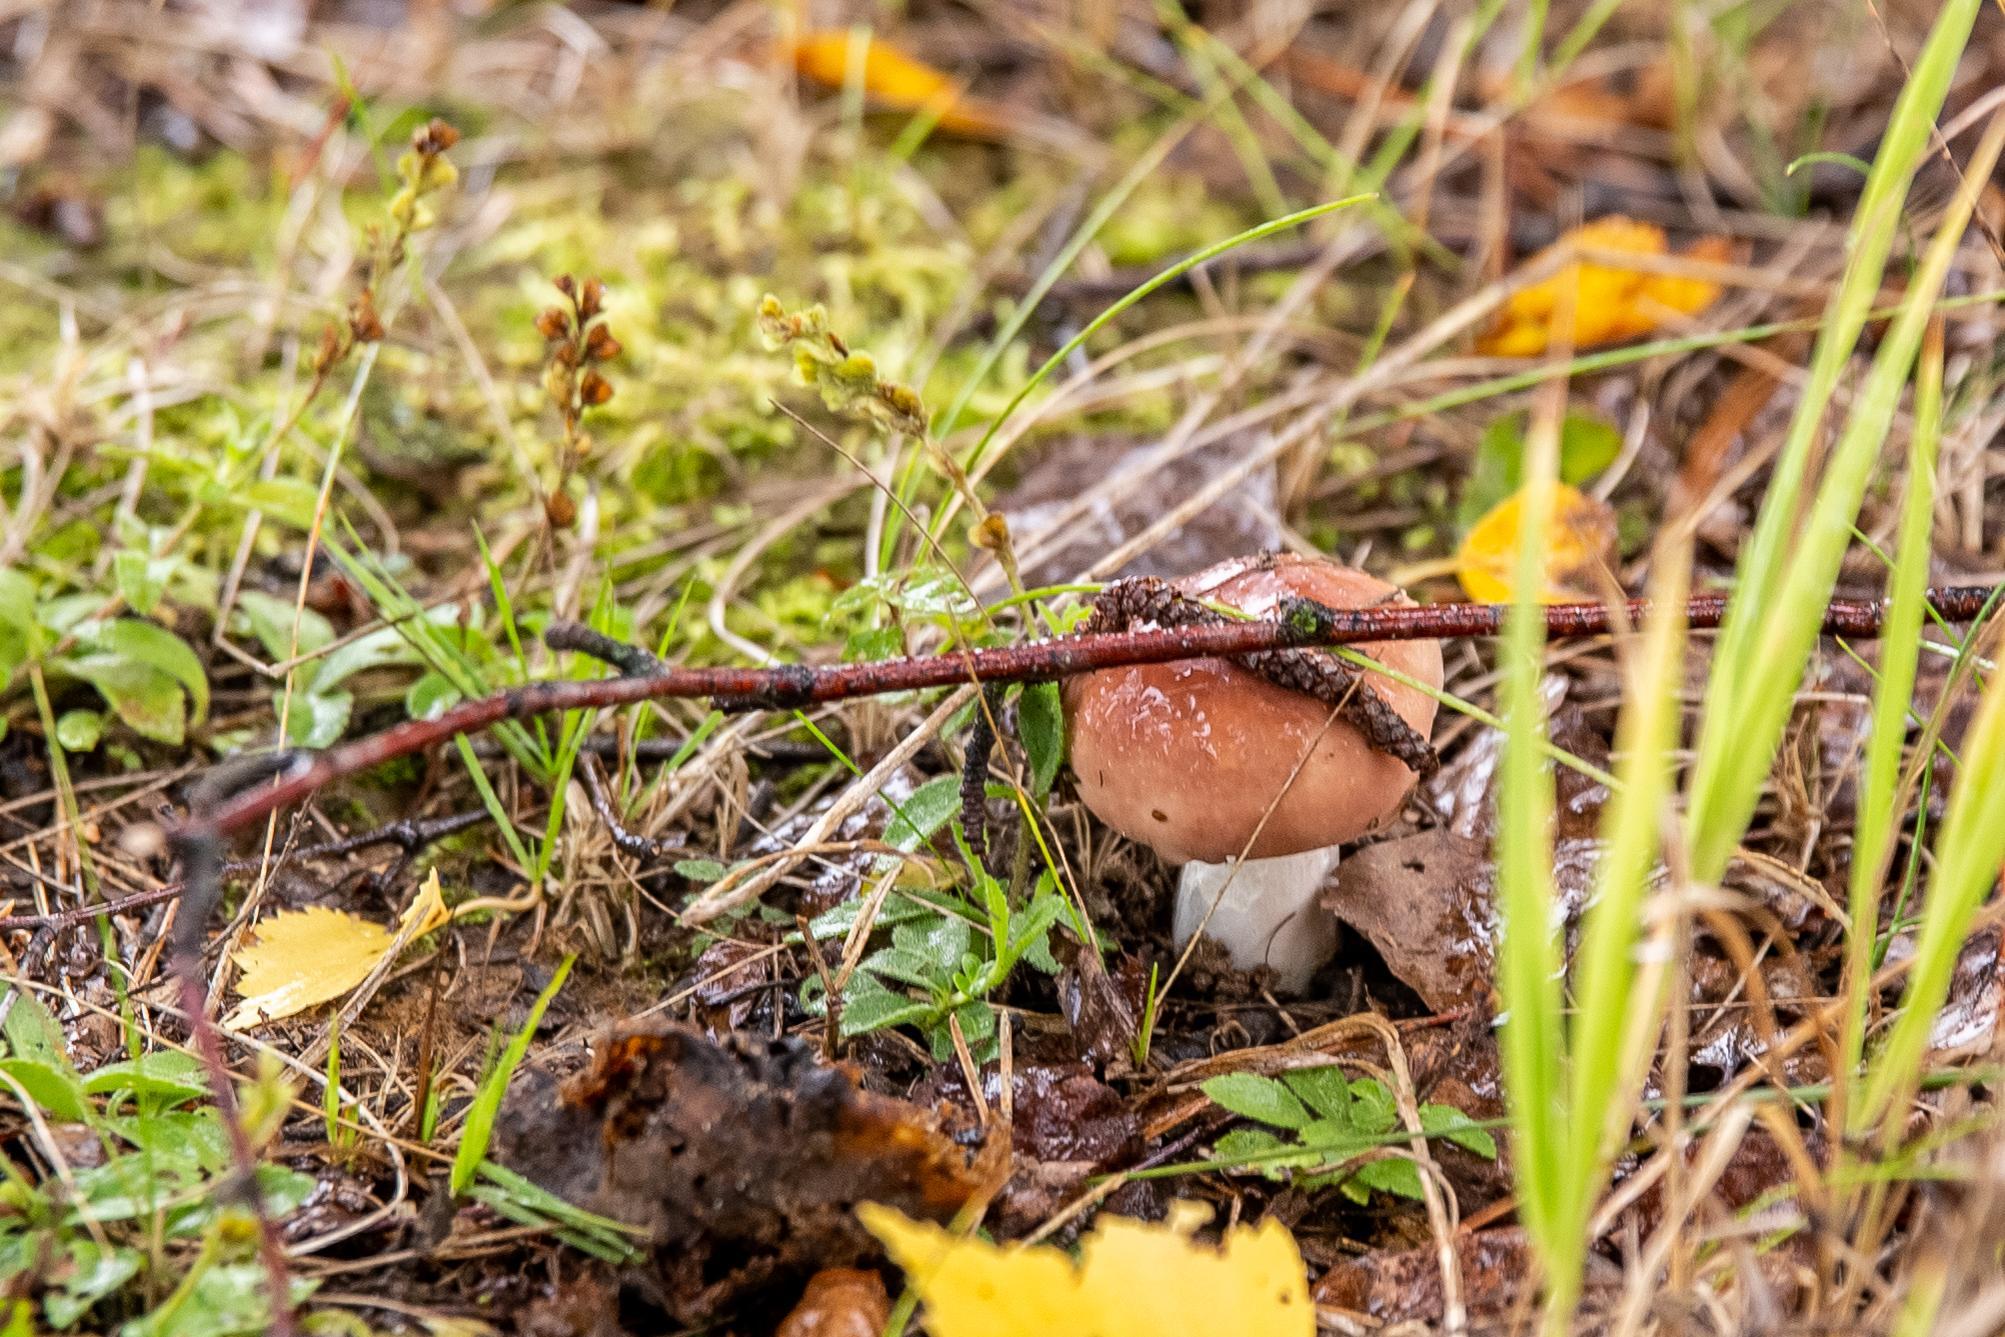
(1606, 303)
(304, 957)
(1580, 541)
(893, 79)
(839, 1302)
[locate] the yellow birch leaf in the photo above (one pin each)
(896, 80)
(1133, 1279)
(1607, 304)
(305, 957)
(1581, 541)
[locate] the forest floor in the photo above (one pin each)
(349, 347)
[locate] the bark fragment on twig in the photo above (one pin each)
(1151, 600)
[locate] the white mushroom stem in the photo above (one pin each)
(1263, 911)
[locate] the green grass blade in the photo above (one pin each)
(1609, 1042)
(1967, 855)
(1971, 842)
(1143, 168)
(1136, 294)
(479, 1128)
(1790, 563)
(1879, 785)
(1528, 965)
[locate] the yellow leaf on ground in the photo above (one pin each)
(304, 957)
(1580, 542)
(1604, 303)
(1133, 1279)
(896, 80)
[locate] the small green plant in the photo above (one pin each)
(1319, 1122)
(935, 949)
(1587, 445)
(529, 1204)
(851, 385)
(74, 1241)
(148, 676)
(478, 1130)
(876, 614)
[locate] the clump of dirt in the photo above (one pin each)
(741, 1160)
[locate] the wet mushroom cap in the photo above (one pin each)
(1186, 757)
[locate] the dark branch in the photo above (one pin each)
(1036, 661)
(975, 772)
(630, 660)
(645, 848)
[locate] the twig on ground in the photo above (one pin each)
(200, 852)
(297, 774)
(975, 772)
(647, 849)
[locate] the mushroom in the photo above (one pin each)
(1250, 785)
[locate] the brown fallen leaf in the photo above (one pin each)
(1101, 1008)
(1067, 1126)
(1055, 543)
(741, 1159)
(1404, 1286)
(1427, 904)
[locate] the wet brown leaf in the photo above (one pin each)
(1238, 523)
(1427, 904)
(583, 1305)
(742, 1160)
(1101, 1009)
(1067, 1126)
(1405, 1285)
(728, 973)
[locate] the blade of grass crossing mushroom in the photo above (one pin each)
(1618, 1001)
(1880, 787)
(1462, 706)
(1790, 562)
(1529, 960)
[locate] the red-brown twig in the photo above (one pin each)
(791, 686)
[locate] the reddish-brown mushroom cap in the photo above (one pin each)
(1187, 757)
